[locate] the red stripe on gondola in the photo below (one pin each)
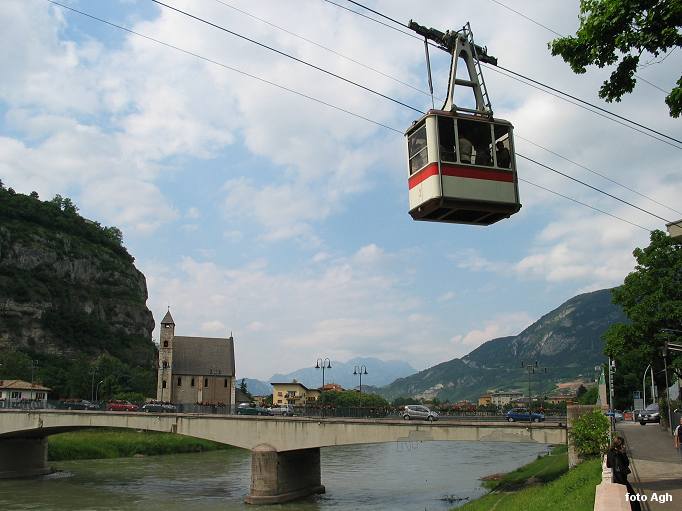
(455, 171)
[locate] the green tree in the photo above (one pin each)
(243, 387)
(621, 31)
(651, 297)
(590, 434)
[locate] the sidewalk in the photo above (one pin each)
(656, 465)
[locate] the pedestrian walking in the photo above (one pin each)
(617, 460)
(677, 437)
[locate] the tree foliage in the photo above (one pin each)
(590, 434)
(651, 297)
(350, 398)
(622, 31)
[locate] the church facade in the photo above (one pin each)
(194, 369)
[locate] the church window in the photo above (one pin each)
(166, 325)
(165, 364)
(179, 382)
(163, 384)
(165, 344)
(205, 382)
(192, 382)
(225, 383)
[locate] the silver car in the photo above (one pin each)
(419, 412)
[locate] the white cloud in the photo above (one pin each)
(499, 326)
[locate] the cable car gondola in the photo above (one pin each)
(461, 165)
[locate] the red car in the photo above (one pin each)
(121, 406)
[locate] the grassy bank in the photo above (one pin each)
(544, 485)
(112, 443)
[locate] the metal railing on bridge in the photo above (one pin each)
(221, 409)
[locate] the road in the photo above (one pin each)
(656, 464)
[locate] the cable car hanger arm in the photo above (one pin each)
(446, 41)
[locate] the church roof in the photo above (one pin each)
(167, 319)
(205, 356)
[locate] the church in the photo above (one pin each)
(194, 369)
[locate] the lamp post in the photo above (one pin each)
(97, 388)
(531, 368)
(323, 363)
(360, 370)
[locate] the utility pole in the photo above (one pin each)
(34, 364)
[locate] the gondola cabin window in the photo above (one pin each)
(417, 149)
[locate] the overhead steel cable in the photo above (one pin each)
(592, 187)
(579, 105)
(326, 48)
(590, 104)
(562, 35)
(583, 203)
(516, 135)
(492, 68)
(284, 54)
(196, 55)
(225, 66)
(411, 34)
(527, 78)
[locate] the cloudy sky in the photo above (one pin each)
(256, 211)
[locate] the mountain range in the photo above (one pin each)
(566, 343)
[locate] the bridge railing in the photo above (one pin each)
(219, 409)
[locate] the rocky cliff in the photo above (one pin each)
(68, 288)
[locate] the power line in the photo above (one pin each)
(496, 70)
(592, 187)
(411, 34)
(579, 105)
(530, 79)
(597, 173)
(583, 204)
(562, 35)
(225, 66)
(187, 52)
(284, 54)
(326, 48)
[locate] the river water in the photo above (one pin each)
(390, 476)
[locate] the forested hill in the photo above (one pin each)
(567, 341)
(71, 300)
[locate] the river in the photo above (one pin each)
(391, 476)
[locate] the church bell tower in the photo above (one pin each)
(165, 379)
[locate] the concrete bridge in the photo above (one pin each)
(285, 460)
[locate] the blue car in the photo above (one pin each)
(522, 414)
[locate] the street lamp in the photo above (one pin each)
(359, 370)
(323, 363)
(97, 388)
(531, 368)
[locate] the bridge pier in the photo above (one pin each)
(23, 457)
(283, 476)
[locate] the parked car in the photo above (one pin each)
(650, 414)
(419, 412)
(77, 404)
(522, 414)
(247, 409)
(286, 411)
(118, 405)
(158, 408)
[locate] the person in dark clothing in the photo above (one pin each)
(617, 460)
(503, 156)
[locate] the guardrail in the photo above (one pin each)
(219, 409)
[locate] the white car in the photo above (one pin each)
(419, 412)
(286, 411)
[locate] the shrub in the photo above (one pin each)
(590, 434)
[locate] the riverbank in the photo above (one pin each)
(113, 443)
(543, 485)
